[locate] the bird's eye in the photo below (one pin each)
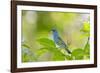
(52, 30)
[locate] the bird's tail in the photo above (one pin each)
(69, 52)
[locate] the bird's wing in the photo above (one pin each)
(61, 42)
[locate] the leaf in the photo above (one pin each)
(46, 42)
(69, 57)
(78, 54)
(27, 55)
(58, 57)
(25, 58)
(86, 27)
(41, 51)
(51, 49)
(25, 45)
(87, 51)
(56, 53)
(87, 48)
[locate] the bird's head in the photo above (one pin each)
(54, 30)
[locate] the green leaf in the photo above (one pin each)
(41, 51)
(78, 54)
(87, 51)
(25, 45)
(87, 48)
(52, 49)
(58, 57)
(56, 53)
(25, 58)
(69, 57)
(28, 56)
(86, 27)
(46, 42)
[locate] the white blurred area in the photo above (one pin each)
(31, 17)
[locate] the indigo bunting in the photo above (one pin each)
(57, 39)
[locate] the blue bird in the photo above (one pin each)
(57, 39)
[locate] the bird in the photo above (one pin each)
(58, 41)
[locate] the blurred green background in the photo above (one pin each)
(37, 41)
